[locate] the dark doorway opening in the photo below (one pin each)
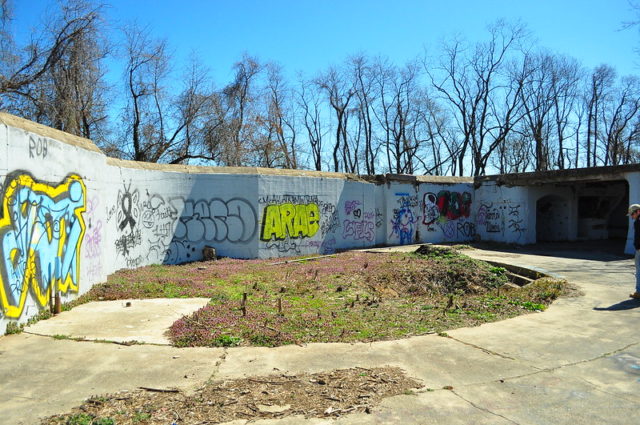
(552, 219)
(602, 209)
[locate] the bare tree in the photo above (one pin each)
(239, 98)
(469, 83)
(339, 91)
(147, 66)
(74, 87)
(566, 75)
(600, 83)
(364, 86)
(311, 106)
(161, 126)
(58, 79)
(195, 118)
(402, 111)
(619, 118)
(440, 137)
(280, 118)
(8, 52)
(537, 101)
(514, 155)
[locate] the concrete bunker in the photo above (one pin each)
(583, 211)
(588, 204)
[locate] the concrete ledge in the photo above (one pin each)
(201, 169)
(43, 130)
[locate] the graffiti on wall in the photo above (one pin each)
(515, 220)
(128, 220)
(38, 147)
(329, 222)
(379, 218)
(292, 222)
(215, 220)
(430, 211)
(92, 245)
(207, 222)
(446, 205)
(41, 232)
(454, 205)
(153, 227)
(281, 221)
(158, 221)
(358, 225)
(501, 217)
(403, 223)
(325, 246)
(449, 211)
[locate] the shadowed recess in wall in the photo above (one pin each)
(41, 232)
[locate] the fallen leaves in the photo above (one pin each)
(327, 394)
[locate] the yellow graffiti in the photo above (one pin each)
(41, 232)
(292, 220)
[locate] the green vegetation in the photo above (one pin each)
(13, 328)
(86, 419)
(58, 336)
(349, 297)
(16, 328)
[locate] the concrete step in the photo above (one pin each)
(519, 279)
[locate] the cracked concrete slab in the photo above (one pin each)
(43, 376)
(577, 362)
(553, 397)
(541, 346)
(121, 321)
(617, 375)
(421, 357)
(436, 407)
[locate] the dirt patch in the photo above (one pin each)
(321, 395)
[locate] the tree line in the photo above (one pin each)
(492, 106)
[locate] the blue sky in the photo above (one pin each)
(308, 36)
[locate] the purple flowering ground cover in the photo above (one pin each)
(348, 297)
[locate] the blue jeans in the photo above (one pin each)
(638, 270)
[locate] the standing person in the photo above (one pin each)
(634, 213)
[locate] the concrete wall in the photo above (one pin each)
(47, 223)
(71, 216)
(505, 214)
(525, 215)
(422, 212)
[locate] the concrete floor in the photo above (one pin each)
(576, 363)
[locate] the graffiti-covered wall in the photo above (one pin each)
(502, 214)
(427, 212)
(70, 216)
(154, 216)
(50, 236)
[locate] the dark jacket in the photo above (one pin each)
(636, 233)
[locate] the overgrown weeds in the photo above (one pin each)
(349, 297)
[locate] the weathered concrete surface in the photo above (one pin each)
(578, 362)
(120, 321)
(42, 376)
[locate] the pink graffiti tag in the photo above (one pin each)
(351, 206)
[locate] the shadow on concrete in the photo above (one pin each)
(622, 305)
(600, 250)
